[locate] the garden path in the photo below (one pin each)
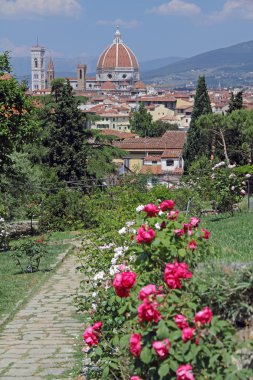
(38, 344)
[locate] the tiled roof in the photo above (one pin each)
(117, 55)
(108, 86)
(151, 169)
(172, 153)
(5, 77)
(152, 158)
(119, 134)
(170, 140)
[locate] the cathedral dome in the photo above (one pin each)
(118, 63)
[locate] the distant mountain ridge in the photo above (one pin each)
(66, 67)
(233, 64)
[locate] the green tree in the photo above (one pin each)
(66, 137)
(17, 124)
(141, 122)
(202, 106)
(159, 128)
(235, 102)
(57, 85)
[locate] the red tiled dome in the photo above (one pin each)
(117, 55)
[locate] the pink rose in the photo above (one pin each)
(187, 333)
(194, 221)
(135, 378)
(151, 210)
(123, 282)
(97, 326)
(174, 273)
(173, 215)
(162, 348)
(167, 205)
(147, 291)
(181, 321)
(148, 312)
(90, 336)
(204, 316)
(184, 372)
(192, 245)
(188, 228)
(145, 236)
(179, 233)
(205, 234)
(135, 344)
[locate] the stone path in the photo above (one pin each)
(39, 342)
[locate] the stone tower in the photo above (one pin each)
(50, 72)
(38, 67)
(81, 77)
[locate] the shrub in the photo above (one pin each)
(4, 235)
(153, 326)
(28, 254)
(61, 211)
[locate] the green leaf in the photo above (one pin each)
(163, 331)
(105, 373)
(163, 370)
(146, 355)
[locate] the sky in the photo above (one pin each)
(151, 28)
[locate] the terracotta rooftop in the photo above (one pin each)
(172, 153)
(5, 77)
(151, 169)
(117, 55)
(152, 158)
(108, 86)
(119, 134)
(170, 140)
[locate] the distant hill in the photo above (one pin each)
(65, 67)
(230, 66)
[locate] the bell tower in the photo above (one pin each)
(38, 67)
(81, 77)
(50, 72)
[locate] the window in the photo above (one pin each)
(169, 163)
(109, 76)
(35, 62)
(154, 162)
(80, 74)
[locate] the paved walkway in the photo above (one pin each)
(39, 342)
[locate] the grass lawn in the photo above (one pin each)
(15, 286)
(233, 236)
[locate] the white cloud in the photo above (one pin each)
(234, 8)
(21, 50)
(177, 7)
(119, 22)
(12, 8)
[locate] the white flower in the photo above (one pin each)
(114, 260)
(94, 294)
(132, 258)
(122, 231)
(248, 175)
(232, 175)
(99, 276)
(139, 208)
(94, 306)
(108, 246)
(130, 223)
(1, 220)
(160, 213)
(231, 166)
(243, 192)
(243, 183)
(132, 231)
(113, 270)
(158, 226)
(232, 188)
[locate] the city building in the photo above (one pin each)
(38, 67)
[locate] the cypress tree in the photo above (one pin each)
(202, 106)
(66, 137)
(235, 102)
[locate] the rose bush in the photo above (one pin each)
(153, 328)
